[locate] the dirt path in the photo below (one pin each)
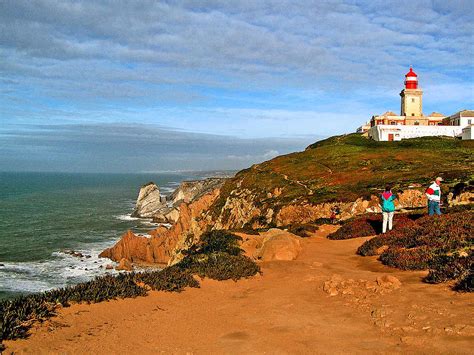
(287, 310)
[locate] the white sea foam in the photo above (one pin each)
(126, 217)
(62, 270)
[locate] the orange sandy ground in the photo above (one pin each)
(284, 311)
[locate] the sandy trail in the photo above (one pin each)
(284, 311)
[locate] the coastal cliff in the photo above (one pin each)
(301, 188)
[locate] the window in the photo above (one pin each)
(413, 114)
(393, 123)
(417, 123)
(412, 100)
(469, 121)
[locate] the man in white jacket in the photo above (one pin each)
(433, 193)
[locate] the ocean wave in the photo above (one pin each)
(126, 217)
(61, 270)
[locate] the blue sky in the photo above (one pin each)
(195, 85)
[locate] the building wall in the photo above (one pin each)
(384, 132)
(468, 133)
(457, 120)
(411, 102)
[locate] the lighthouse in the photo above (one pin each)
(411, 105)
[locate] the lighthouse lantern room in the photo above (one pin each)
(411, 105)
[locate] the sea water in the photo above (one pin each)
(44, 215)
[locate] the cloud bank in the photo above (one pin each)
(246, 69)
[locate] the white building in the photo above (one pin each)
(468, 132)
(399, 132)
(462, 118)
(364, 128)
(412, 123)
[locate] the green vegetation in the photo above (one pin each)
(348, 167)
(216, 256)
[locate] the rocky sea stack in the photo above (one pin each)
(148, 202)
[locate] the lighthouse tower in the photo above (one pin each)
(411, 96)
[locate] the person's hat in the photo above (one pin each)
(439, 178)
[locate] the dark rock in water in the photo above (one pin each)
(2, 264)
(88, 256)
(74, 253)
(109, 267)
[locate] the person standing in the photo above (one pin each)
(388, 208)
(433, 193)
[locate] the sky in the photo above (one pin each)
(150, 86)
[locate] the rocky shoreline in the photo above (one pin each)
(188, 211)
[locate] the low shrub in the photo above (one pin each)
(303, 230)
(417, 258)
(216, 241)
(368, 225)
(449, 267)
(220, 266)
(170, 279)
(442, 244)
(466, 284)
(218, 256)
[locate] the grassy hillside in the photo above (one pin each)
(346, 167)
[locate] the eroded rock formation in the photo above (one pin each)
(189, 191)
(148, 201)
(163, 245)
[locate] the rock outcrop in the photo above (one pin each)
(148, 202)
(124, 265)
(279, 245)
(163, 246)
(274, 244)
(189, 191)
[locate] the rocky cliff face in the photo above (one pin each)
(188, 191)
(163, 245)
(148, 201)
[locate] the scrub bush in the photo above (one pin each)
(441, 244)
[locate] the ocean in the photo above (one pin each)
(44, 215)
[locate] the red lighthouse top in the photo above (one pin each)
(411, 80)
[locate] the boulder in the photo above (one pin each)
(148, 201)
(124, 265)
(279, 245)
(388, 281)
